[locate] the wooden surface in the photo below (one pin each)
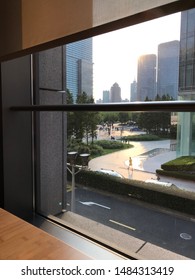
(20, 240)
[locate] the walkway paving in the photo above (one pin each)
(143, 164)
(147, 156)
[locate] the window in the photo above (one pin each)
(122, 195)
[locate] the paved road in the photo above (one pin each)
(164, 229)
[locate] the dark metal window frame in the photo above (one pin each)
(152, 106)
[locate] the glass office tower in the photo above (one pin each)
(79, 67)
(146, 77)
(168, 67)
(186, 121)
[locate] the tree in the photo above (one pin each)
(124, 117)
(109, 117)
(85, 123)
(156, 122)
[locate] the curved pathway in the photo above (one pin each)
(118, 161)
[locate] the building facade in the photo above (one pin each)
(133, 93)
(186, 121)
(115, 93)
(79, 67)
(106, 94)
(168, 69)
(146, 77)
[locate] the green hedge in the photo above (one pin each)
(140, 137)
(184, 163)
(105, 144)
(172, 198)
(177, 174)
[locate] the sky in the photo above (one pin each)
(115, 54)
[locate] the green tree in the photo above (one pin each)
(156, 122)
(79, 118)
(109, 117)
(85, 123)
(124, 117)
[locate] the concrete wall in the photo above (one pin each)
(51, 133)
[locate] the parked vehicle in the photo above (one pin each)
(135, 129)
(159, 183)
(110, 172)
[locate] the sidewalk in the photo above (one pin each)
(144, 165)
(145, 162)
(150, 164)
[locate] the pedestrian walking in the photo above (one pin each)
(130, 163)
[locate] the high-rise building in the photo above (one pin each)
(133, 94)
(186, 121)
(79, 67)
(115, 93)
(146, 77)
(168, 69)
(106, 94)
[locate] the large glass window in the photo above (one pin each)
(122, 177)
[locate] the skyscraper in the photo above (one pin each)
(186, 121)
(106, 94)
(133, 94)
(187, 56)
(146, 77)
(79, 67)
(115, 93)
(168, 69)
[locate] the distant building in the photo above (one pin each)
(106, 94)
(168, 69)
(115, 93)
(99, 101)
(146, 77)
(133, 93)
(125, 100)
(79, 67)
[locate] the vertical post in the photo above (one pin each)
(73, 189)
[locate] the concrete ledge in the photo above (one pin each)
(125, 243)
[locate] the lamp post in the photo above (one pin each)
(72, 156)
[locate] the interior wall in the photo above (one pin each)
(49, 20)
(30, 26)
(10, 26)
(17, 137)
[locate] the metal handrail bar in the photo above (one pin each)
(154, 106)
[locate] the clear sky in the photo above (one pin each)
(115, 54)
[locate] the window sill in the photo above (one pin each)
(120, 242)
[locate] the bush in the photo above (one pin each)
(96, 150)
(140, 137)
(175, 174)
(162, 196)
(105, 144)
(182, 164)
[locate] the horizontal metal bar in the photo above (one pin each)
(168, 106)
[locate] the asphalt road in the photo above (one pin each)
(165, 229)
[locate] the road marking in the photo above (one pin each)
(117, 223)
(90, 203)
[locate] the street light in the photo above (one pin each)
(72, 156)
(84, 159)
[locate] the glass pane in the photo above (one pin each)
(124, 178)
(190, 48)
